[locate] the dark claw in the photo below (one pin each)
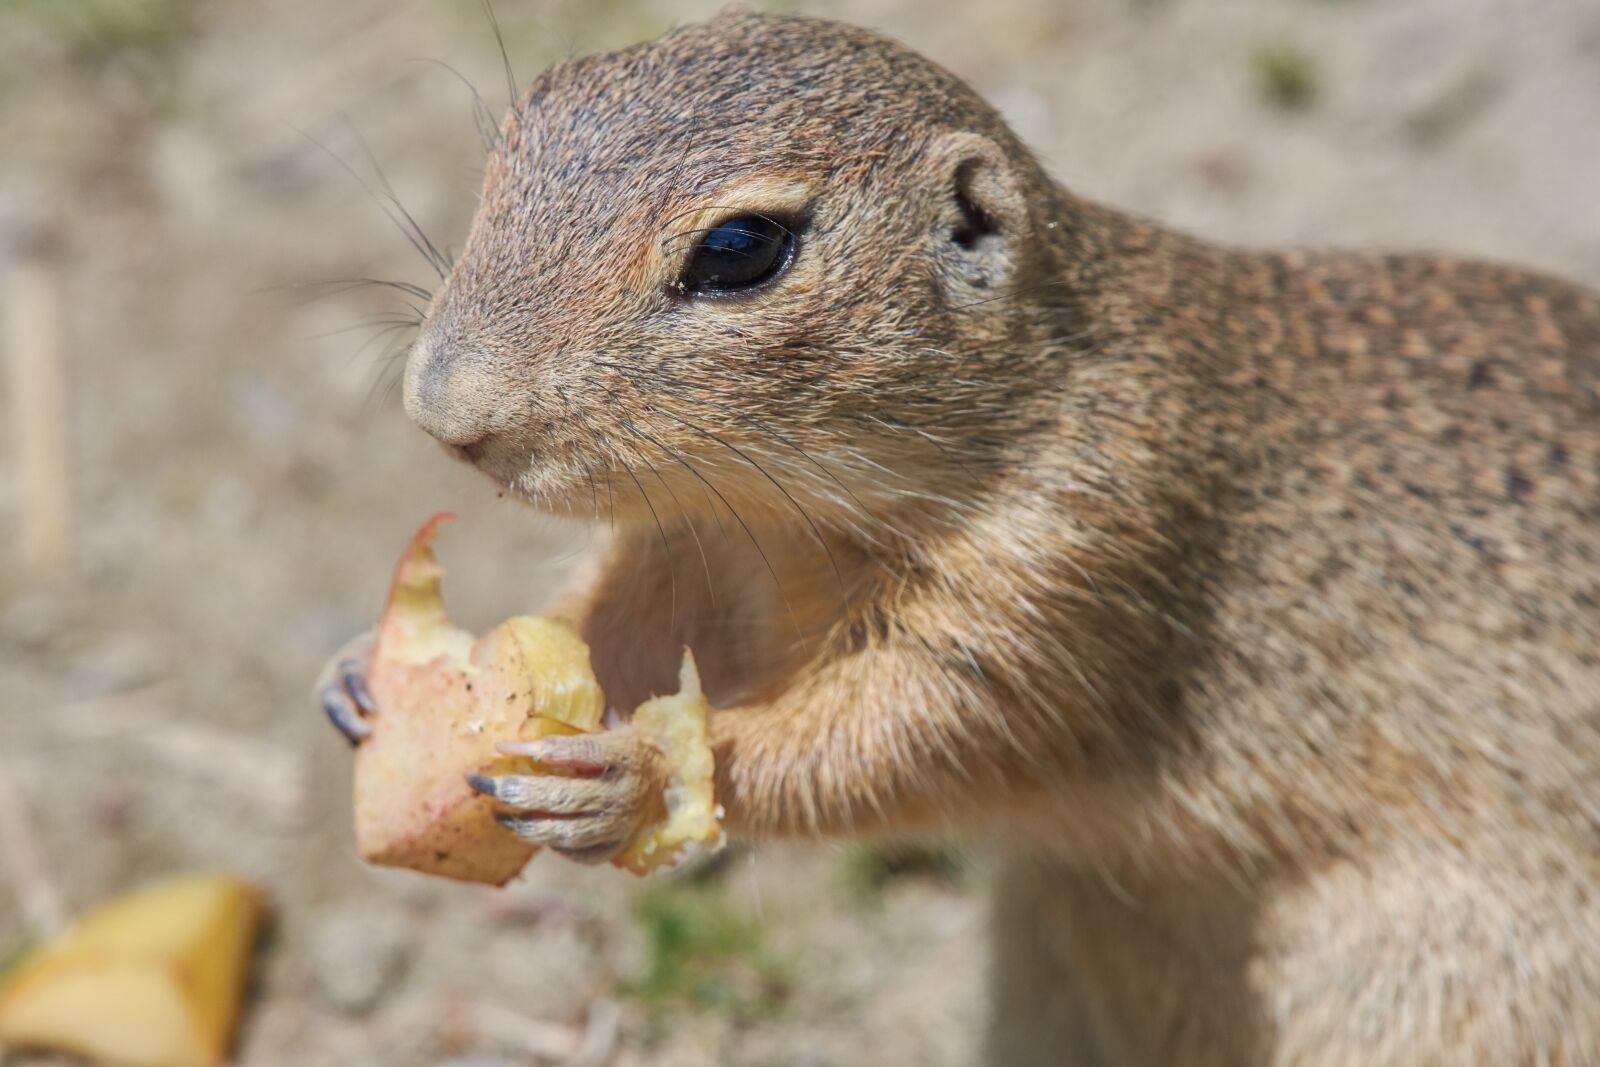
(353, 677)
(480, 783)
(342, 713)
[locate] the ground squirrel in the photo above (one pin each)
(1250, 600)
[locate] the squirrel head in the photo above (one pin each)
(757, 261)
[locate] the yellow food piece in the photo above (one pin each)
(542, 665)
(153, 979)
(677, 726)
(446, 700)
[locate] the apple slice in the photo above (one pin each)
(446, 700)
(153, 979)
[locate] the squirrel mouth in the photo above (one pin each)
(517, 474)
(483, 455)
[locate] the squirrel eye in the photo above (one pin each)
(741, 253)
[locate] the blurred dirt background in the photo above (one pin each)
(241, 475)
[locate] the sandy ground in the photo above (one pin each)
(242, 474)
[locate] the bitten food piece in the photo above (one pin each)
(446, 700)
(676, 725)
(153, 979)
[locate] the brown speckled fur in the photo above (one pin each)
(1251, 599)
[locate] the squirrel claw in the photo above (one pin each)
(342, 693)
(342, 711)
(588, 798)
(352, 674)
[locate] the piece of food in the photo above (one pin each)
(677, 726)
(152, 979)
(446, 700)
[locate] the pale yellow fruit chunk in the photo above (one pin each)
(153, 979)
(677, 726)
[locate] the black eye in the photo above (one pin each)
(739, 254)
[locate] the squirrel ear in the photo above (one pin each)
(981, 214)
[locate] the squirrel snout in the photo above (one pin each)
(450, 396)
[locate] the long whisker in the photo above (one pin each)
(482, 117)
(741, 209)
(393, 371)
(440, 260)
(666, 545)
(705, 563)
(873, 521)
(505, 58)
(659, 381)
(391, 322)
(611, 503)
(346, 285)
(375, 338)
(1007, 295)
(421, 246)
(755, 542)
(594, 493)
(670, 238)
(901, 424)
(817, 533)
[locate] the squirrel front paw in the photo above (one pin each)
(592, 795)
(341, 689)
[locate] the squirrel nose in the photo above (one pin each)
(449, 396)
